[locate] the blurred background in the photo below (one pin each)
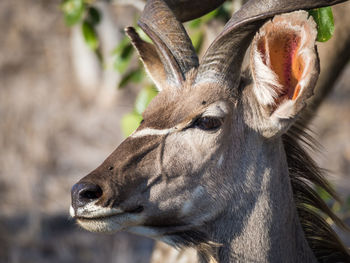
(71, 89)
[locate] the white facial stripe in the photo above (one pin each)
(150, 132)
(218, 109)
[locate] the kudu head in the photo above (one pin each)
(209, 123)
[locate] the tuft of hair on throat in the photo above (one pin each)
(207, 250)
(305, 175)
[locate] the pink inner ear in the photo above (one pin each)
(284, 61)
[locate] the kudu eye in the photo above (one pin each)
(207, 123)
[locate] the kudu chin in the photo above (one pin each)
(215, 164)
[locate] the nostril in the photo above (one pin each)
(91, 193)
(84, 193)
(139, 209)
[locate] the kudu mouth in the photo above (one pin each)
(97, 216)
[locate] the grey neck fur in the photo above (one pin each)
(271, 231)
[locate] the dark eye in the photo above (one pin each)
(207, 123)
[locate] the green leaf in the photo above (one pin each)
(133, 76)
(197, 40)
(90, 35)
(123, 54)
(94, 16)
(121, 64)
(138, 75)
(225, 11)
(196, 23)
(121, 45)
(206, 18)
(127, 51)
(73, 11)
(142, 34)
(144, 98)
(130, 122)
(325, 23)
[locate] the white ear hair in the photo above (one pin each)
(268, 85)
(284, 67)
(266, 81)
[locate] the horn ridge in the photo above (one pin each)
(170, 63)
(169, 36)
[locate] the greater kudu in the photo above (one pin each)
(212, 166)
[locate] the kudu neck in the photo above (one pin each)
(263, 226)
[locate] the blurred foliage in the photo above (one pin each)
(131, 121)
(73, 11)
(84, 13)
(90, 35)
(123, 54)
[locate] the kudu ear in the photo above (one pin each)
(223, 60)
(285, 68)
(150, 58)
